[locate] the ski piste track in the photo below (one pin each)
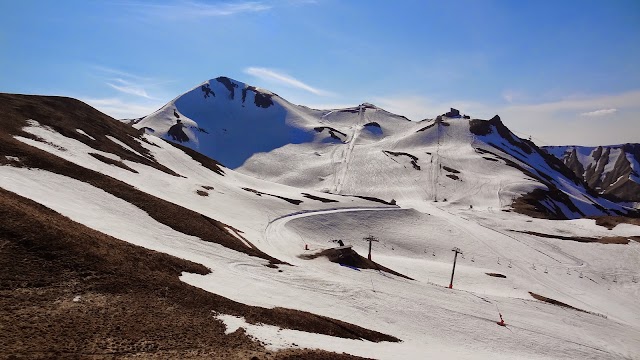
(273, 233)
(286, 245)
(278, 242)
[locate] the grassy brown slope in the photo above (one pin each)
(621, 240)
(65, 115)
(612, 221)
(177, 217)
(131, 300)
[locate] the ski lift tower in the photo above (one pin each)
(370, 239)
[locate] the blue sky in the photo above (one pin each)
(560, 71)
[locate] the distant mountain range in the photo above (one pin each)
(612, 170)
(368, 151)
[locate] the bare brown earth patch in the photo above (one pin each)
(414, 159)
(371, 198)
(260, 193)
(612, 221)
(202, 193)
(622, 240)
(497, 275)
(110, 161)
(558, 303)
(65, 116)
(203, 160)
(451, 170)
(68, 291)
(318, 198)
(348, 256)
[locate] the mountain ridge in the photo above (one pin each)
(611, 170)
(313, 149)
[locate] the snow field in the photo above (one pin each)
(432, 320)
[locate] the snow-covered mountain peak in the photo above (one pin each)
(230, 120)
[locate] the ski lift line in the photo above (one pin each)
(436, 250)
(587, 274)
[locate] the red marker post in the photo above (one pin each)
(454, 265)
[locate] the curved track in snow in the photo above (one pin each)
(287, 250)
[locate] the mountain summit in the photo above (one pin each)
(229, 121)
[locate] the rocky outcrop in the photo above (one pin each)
(611, 171)
(177, 134)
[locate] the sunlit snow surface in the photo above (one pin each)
(431, 320)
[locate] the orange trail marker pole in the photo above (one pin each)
(501, 322)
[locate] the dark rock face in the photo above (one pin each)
(427, 127)
(230, 85)
(177, 134)
(206, 90)
(533, 204)
(414, 159)
(574, 164)
(261, 99)
(483, 127)
(332, 132)
(453, 113)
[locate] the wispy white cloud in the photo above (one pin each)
(185, 10)
(122, 109)
(126, 83)
(601, 112)
(572, 120)
(109, 71)
(129, 88)
(277, 77)
(584, 103)
(130, 95)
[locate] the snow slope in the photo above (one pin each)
(435, 160)
(416, 238)
(368, 151)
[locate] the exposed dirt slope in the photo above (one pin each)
(128, 300)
